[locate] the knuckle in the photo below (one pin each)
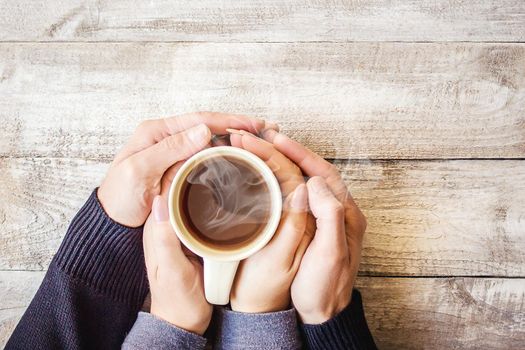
(173, 142)
(336, 208)
(296, 171)
(297, 230)
(143, 126)
(335, 258)
(131, 169)
(203, 113)
(332, 169)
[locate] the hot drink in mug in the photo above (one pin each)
(225, 204)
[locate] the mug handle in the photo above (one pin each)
(218, 280)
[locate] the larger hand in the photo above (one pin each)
(134, 178)
(323, 284)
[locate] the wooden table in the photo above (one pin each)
(420, 103)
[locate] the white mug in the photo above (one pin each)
(220, 266)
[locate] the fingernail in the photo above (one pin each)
(246, 133)
(299, 198)
(234, 131)
(269, 135)
(318, 185)
(197, 133)
(160, 209)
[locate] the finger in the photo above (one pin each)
(293, 224)
(153, 131)
(161, 240)
(159, 157)
(286, 172)
(149, 257)
(236, 140)
(310, 226)
(220, 140)
(314, 165)
(167, 178)
(301, 250)
(329, 215)
(191, 255)
(217, 122)
(169, 175)
(310, 163)
(269, 125)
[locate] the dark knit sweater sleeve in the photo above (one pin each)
(347, 330)
(93, 289)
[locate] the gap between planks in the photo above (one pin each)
(259, 42)
(376, 275)
(105, 159)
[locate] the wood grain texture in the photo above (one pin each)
(449, 313)
(425, 218)
(359, 100)
(16, 291)
(403, 313)
(263, 21)
(39, 199)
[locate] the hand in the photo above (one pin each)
(263, 281)
(134, 177)
(323, 284)
(175, 277)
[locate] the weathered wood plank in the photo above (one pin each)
(445, 218)
(16, 291)
(360, 100)
(449, 313)
(403, 313)
(263, 21)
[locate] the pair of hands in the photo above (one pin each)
(311, 260)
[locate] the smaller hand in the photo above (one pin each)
(262, 283)
(175, 275)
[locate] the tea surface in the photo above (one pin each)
(225, 202)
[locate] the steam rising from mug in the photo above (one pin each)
(228, 201)
(225, 205)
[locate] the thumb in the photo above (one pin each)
(329, 215)
(163, 154)
(160, 239)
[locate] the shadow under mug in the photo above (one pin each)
(220, 266)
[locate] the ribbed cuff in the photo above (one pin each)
(347, 330)
(273, 330)
(150, 332)
(104, 255)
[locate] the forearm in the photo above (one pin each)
(347, 330)
(150, 332)
(256, 331)
(93, 289)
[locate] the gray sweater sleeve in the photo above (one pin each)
(150, 332)
(273, 330)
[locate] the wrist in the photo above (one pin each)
(314, 317)
(190, 323)
(323, 312)
(93, 239)
(260, 307)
